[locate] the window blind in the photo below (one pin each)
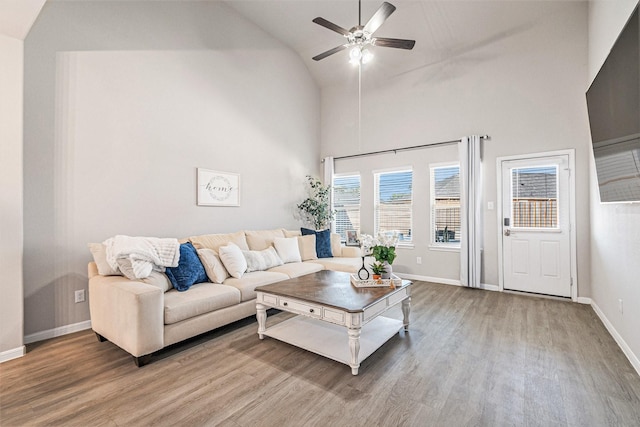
(393, 208)
(445, 204)
(346, 203)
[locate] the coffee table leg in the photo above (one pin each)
(406, 308)
(354, 347)
(261, 314)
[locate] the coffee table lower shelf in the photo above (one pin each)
(332, 341)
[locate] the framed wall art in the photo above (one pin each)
(218, 188)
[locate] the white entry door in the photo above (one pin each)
(536, 240)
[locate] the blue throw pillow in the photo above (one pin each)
(323, 241)
(189, 270)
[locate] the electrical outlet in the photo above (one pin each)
(79, 296)
(620, 306)
(418, 260)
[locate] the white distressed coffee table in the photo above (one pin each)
(327, 304)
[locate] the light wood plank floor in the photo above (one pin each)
(471, 357)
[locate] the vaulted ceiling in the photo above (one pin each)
(445, 31)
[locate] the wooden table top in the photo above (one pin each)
(330, 288)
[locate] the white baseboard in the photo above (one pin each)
(442, 281)
(57, 332)
(635, 362)
(584, 300)
(12, 354)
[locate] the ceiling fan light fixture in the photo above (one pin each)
(367, 56)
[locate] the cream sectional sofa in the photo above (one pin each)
(144, 316)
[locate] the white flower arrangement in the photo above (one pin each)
(368, 242)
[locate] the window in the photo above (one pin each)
(346, 202)
(445, 205)
(393, 203)
(535, 197)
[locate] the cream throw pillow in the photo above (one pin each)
(233, 260)
(261, 240)
(307, 245)
(215, 241)
(262, 260)
(288, 249)
(99, 252)
(212, 265)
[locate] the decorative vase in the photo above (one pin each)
(387, 270)
(363, 273)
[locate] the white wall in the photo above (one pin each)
(11, 312)
(615, 228)
(123, 101)
(525, 88)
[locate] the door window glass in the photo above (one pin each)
(534, 193)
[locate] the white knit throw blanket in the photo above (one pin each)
(146, 253)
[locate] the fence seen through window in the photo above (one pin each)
(346, 202)
(534, 194)
(445, 204)
(394, 203)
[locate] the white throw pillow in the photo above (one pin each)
(288, 249)
(233, 260)
(307, 246)
(262, 260)
(99, 252)
(212, 265)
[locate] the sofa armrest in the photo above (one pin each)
(351, 252)
(127, 313)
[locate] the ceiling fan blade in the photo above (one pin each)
(330, 52)
(397, 43)
(331, 26)
(379, 17)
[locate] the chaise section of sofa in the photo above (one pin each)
(144, 316)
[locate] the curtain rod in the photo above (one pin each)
(415, 147)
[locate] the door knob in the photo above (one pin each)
(507, 232)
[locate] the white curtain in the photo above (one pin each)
(470, 211)
(327, 179)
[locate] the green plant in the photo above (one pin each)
(377, 268)
(316, 209)
(384, 253)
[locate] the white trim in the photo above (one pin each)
(584, 300)
(635, 362)
(57, 332)
(14, 353)
(570, 153)
(443, 281)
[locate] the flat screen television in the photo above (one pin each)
(613, 103)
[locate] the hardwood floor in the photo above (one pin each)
(471, 357)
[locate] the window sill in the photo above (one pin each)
(444, 248)
(405, 246)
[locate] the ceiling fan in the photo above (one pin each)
(360, 37)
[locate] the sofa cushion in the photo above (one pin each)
(292, 233)
(212, 265)
(189, 270)
(262, 260)
(323, 241)
(159, 280)
(99, 252)
(233, 260)
(214, 241)
(336, 244)
(261, 240)
(348, 265)
(307, 245)
(297, 269)
(288, 249)
(202, 298)
(249, 281)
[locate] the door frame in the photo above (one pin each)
(572, 212)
